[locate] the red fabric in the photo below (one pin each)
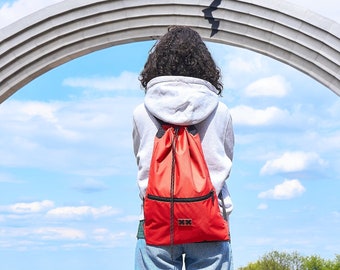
(169, 217)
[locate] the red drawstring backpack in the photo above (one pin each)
(181, 205)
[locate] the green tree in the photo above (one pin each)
(292, 261)
(276, 261)
(315, 262)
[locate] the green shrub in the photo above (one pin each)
(276, 260)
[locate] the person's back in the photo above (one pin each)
(182, 86)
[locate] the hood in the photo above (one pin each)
(180, 100)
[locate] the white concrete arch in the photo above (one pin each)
(70, 29)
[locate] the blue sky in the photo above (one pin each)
(68, 194)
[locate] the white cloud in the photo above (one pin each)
(287, 190)
(59, 233)
(92, 135)
(292, 162)
(105, 236)
(262, 206)
(28, 208)
(240, 63)
(125, 81)
(11, 12)
(7, 178)
(245, 115)
(239, 66)
(43, 110)
(274, 86)
(70, 212)
(334, 109)
(34, 117)
(24, 238)
(24, 111)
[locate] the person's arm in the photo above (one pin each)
(229, 150)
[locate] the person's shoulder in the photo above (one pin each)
(141, 114)
(139, 109)
(222, 108)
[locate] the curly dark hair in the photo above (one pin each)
(181, 52)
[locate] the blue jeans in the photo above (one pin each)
(207, 255)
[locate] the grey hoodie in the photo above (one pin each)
(185, 101)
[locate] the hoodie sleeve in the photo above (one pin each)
(136, 140)
(143, 134)
(229, 140)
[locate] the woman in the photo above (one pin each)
(183, 85)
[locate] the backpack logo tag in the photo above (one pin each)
(184, 222)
